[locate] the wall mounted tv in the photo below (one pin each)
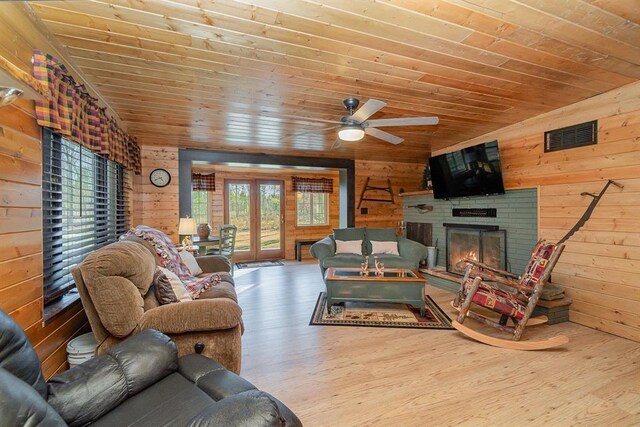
(472, 171)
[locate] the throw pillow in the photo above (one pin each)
(162, 288)
(169, 287)
(349, 247)
(384, 248)
(191, 263)
(379, 235)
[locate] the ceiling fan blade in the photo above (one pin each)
(404, 121)
(337, 143)
(369, 108)
(385, 136)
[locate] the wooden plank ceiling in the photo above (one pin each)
(270, 75)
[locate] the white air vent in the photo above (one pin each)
(571, 137)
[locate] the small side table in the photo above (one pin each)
(299, 243)
(202, 244)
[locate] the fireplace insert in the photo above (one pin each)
(483, 243)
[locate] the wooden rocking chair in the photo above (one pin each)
(510, 296)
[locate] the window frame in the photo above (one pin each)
(85, 206)
(311, 210)
(206, 206)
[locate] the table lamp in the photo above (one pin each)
(187, 228)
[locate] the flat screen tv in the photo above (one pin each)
(472, 171)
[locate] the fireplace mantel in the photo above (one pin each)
(475, 226)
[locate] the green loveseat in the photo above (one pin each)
(410, 252)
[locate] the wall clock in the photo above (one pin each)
(160, 177)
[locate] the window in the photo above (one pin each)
(200, 206)
(84, 207)
(312, 208)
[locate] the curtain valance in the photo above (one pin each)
(73, 113)
(312, 185)
(203, 182)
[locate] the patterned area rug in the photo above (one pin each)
(380, 315)
(258, 264)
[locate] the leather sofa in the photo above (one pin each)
(138, 382)
(115, 285)
(410, 253)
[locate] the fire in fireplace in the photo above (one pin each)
(484, 243)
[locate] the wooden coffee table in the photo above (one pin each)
(398, 285)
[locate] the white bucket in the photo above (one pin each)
(432, 254)
(81, 349)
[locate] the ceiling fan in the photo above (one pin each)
(354, 126)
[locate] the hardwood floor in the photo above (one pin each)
(350, 376)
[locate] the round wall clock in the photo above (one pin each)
(160, 177)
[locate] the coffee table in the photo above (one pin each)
(397, 285)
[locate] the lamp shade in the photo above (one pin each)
(351, 133)
(187, 226)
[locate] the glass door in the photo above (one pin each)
(271, 220)
(239, 213)
(256, 208)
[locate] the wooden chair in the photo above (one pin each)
(512, 297)
(227, 243)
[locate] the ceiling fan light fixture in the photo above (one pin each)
(351, 133)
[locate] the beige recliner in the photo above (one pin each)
(115, 285)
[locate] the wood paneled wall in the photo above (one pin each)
(404, 176)
(599, 267)
(21, 240)
(20, 203)
(159, 207)
(292, 231)
(153, 206)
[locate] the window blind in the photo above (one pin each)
(84, 207)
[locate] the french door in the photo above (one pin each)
(256, 207)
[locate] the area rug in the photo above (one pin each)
(258, 264)
(380, 315)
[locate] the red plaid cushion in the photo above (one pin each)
(538, 263)
(496, 300)
(500, 302)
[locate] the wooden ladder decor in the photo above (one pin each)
(368, 187)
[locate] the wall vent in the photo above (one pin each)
(571, 137)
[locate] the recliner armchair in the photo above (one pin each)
(115, 285)
(138, 382)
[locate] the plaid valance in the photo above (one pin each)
(73, 113)
(203, 182)
(312, 185)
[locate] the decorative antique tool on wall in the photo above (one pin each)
(587, 213)
(422, 207)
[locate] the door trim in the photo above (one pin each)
(270, 253)
(255, 254)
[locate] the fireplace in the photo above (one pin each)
(484, 243)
